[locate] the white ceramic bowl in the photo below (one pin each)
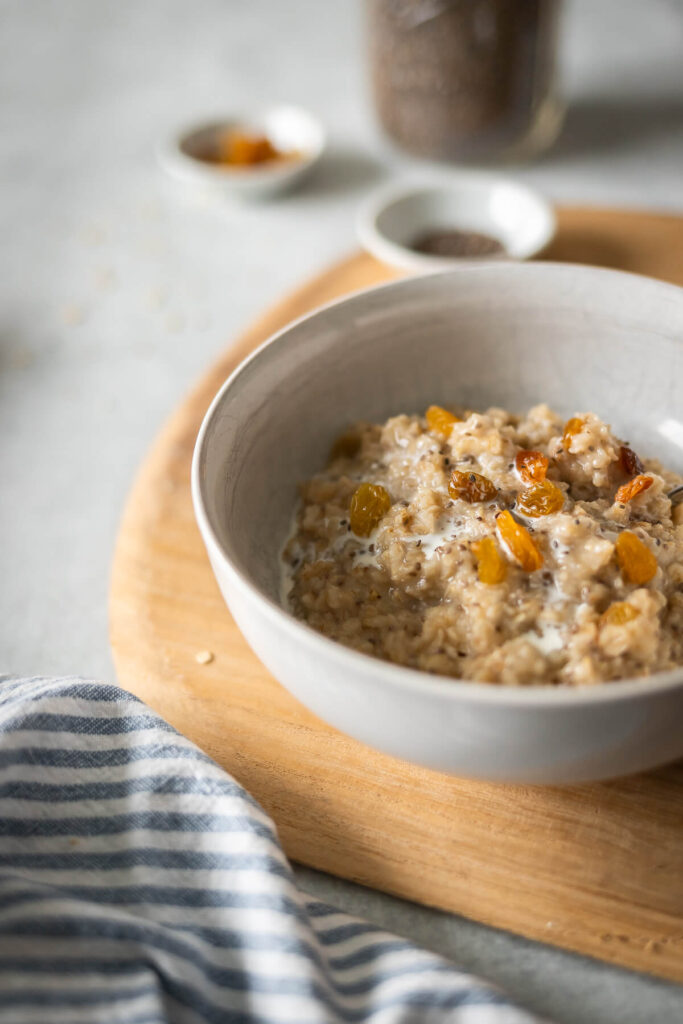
(513, 335)
(393, 219)
(290, 129)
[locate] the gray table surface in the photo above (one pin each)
(117, 290)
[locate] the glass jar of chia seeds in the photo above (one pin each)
(466, 79)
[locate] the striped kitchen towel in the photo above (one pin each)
(139, 883)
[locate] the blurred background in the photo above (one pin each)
(118, 288)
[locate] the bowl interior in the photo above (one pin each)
(291, 128)
(511, 213)
(511, 335)
(288, 128)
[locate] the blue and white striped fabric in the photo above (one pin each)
(139, 883)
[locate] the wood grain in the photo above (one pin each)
(597, 869)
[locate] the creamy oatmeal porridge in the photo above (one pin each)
(492, 547)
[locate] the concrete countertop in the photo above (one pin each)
(117, 290)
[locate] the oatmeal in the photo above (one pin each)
(492, 547)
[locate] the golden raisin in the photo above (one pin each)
(573, 426)
(369, 503)
(471, 486)
(629, 461)
(491, 565)
(637, 563)
(541, 499)
(243, 150)
(619, 613)
(440, 420)
(634, 487)
(346, 446)
(531, 466)
(518, 541)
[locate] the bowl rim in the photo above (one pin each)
(388, 250)
(451, 688)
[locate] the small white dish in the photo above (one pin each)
(519, 218)
(290, 129)
(506, 334)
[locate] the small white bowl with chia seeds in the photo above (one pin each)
(463, 220)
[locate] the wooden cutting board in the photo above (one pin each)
(595, 868)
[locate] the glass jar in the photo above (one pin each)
(466, 79)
